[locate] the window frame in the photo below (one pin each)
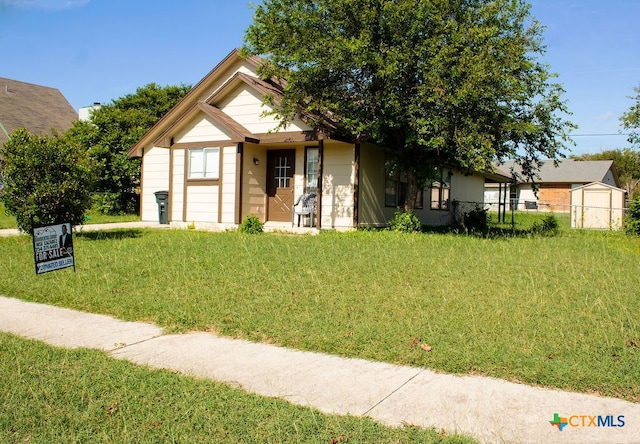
(207, 173)
(399, 184)
(307, 188)
(442, 188)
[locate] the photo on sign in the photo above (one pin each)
(53, 248)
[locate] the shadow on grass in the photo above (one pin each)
(110, 235)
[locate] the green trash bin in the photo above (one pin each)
(162, 198)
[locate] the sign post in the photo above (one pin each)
(53, 248)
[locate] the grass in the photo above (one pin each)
(552, 311)
(59, 395)
(8, 221)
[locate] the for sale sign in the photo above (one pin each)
(53, 248)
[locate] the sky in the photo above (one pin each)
(100, 50)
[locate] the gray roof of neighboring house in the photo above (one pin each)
(34, 107)
(568, 171)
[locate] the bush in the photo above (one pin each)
(404, 222)
(632, 219)
(251, 225)
(115, 204)
(549, 226)
(476, 220)
(47, 180)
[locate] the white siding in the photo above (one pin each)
(200, 129)
(229, 184)
(337, 186)
(244, 105)
(202, 203)
(177, 186)
(155, 177)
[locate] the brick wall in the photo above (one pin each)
(557, 196)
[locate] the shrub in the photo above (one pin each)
(476, 220)
(549, 226)
(251, 225)
(47, 180)
(632, 219)
(115, 204)
(404, 222)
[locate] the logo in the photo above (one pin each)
(558, 422)
(586, 421)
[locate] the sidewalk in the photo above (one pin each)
(488, 409)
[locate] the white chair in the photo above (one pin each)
(304, 206)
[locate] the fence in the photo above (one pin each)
(576, 216)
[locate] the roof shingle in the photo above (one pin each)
(37, 108)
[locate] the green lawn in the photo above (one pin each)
(8, 221)
(554, 311)
(80, 396)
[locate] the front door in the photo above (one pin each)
(280, 170)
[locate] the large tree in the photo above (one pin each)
(438, 82)
(631, 120)
(116, 127)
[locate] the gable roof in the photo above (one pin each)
(598, 185)
(568, 171)
(34, 107)
(212, 83)
(211, 90)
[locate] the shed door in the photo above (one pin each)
(280, 170)
(597, 209)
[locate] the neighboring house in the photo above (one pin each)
(37, 108)
(220, 159)
(554, 184)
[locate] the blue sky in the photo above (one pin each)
(99, 50)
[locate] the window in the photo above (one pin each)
(395, 192)
(204, 163)
(311, 169)
(440, 191)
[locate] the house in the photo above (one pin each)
(597, 206)
(555, 184)
(37, 108)
(217, 156)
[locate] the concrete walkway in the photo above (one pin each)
(488, 409)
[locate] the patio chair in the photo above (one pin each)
(304, 206)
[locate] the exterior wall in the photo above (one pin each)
(202, 203)
(466, 190)
(609, 179)
(200, 129)
(228, 183)
(371, 209)
(254, 185)
(177, 185)
(155, 177)
(555, 197)
(245, 106)
(337, 185)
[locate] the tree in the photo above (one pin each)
(631, 120)
(627, 163)
(112, 130)
(438, 82)
(47, 180)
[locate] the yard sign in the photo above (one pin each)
(53, 248)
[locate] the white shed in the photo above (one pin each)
(598, 206)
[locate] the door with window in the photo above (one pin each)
(280, 171)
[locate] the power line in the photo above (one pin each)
(599, 134)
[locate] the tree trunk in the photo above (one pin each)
(412, 191)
